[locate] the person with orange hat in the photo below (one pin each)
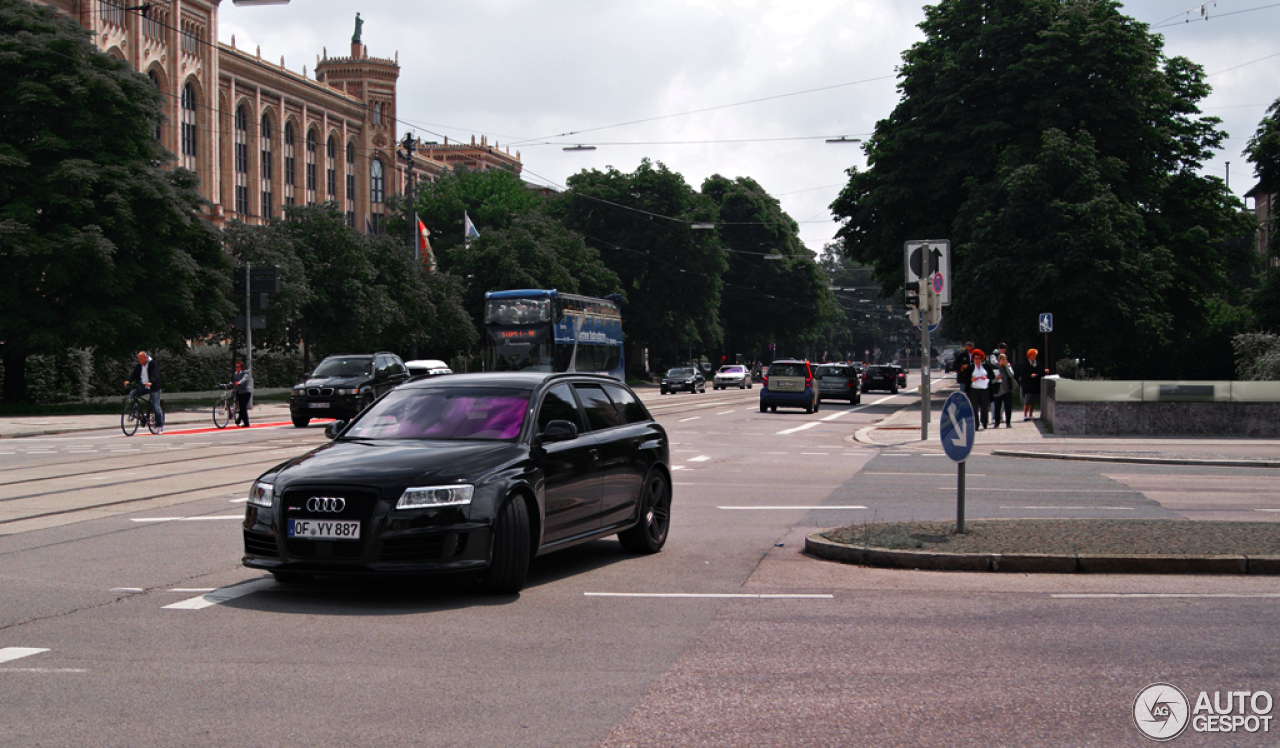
(1030, 374)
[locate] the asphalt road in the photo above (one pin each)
(127, 620)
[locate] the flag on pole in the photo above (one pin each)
(468, 228)
(423, 233)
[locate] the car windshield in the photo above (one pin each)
(355, 366)
(730, 369)
(445, 413)
(680, 373)
(787, 370)
(879, 371)
(832, 371)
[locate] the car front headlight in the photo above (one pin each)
(430, 497)
(299, 390)
(261, 494)
(348, 391)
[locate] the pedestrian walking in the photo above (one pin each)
(964, 366)
(1003, 384)
(244, 391)
(146, 380)
(1030, 373)
(980, 387)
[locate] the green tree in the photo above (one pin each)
(99, 244)
(1056, 147)
(774, 291)
(670, 273)
(1263, 152)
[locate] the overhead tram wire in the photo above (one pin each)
(704, 109)
(1169, 22)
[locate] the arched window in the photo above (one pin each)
(351, 184)
(311, 166)
(265, 135)
(155, 79)
(377, 113)
(189, 131)
(331, 169)
(290, 176)
(242, 161)
(376, 186)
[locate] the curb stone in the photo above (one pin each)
(1088, 563)
(1135, 460)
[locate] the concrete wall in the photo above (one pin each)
(1162, 408)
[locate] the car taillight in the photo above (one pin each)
(808, 381)
(850, 383)
(764, 380)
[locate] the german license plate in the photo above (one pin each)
(787, 385)
(324, 529)
(318, 405)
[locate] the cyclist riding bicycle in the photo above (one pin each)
(146, 376)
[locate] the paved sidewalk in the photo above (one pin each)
(1031, 439)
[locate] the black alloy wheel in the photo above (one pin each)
(509, 555)
(650, 531)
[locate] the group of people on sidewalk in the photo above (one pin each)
(146, 381)
(989, 382)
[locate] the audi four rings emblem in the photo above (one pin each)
(326, 504)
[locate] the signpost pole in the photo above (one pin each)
(960, 498)
(927, 299)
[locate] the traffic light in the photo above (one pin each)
(914, 289)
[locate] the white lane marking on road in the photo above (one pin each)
(1039, 490)
(713, 595)
(222, 595)
(677, 467)
(726, 412)
(818, 506)
(1116, 508)
(1160, 595)
(913, 475)
(9, 654)
(185, 519)
(824, 454)
(243, 500)
(127, 589)
(193, 589)
(699, 458)
(694, 418)
(801, 427)
(1266, 510)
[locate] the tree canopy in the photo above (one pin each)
(1056, 148)
(99, 244)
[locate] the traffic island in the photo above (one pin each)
(1059, 546)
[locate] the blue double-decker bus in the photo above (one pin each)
(545, 330)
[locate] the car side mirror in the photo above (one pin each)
(332, 430)
(559, 431)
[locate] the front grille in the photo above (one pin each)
(320, 392)
(423, 548)
(342, 550)
(260, 544)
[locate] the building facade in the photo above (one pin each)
(262, 137)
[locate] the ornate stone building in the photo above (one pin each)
(263, 137)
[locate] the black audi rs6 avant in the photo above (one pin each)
(474, 473)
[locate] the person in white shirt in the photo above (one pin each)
(980, 388)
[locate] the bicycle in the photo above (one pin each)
(137, 412)
(224, 409)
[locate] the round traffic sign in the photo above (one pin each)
(937, 283)
(958, 427)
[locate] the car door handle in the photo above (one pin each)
(594, 454)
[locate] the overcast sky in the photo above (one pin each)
(736, 87)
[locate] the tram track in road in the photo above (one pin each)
(133, 479)
(221, 453)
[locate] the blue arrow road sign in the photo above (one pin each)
(957, 427)
(1046, 322)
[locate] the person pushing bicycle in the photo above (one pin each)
(244, 390)
(146, 380)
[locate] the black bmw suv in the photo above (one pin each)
(343, 385)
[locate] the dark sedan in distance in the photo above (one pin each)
(471, 473)
(684, 379)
